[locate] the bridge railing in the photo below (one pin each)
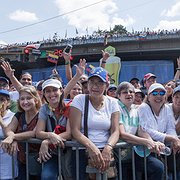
(76, 146)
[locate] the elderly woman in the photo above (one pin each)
(102, 123)
(129, 128)
(157, 119)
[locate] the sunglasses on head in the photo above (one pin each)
(161, 93)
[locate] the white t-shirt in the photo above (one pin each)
(6, 159)
(176, 120)
(157, 126)
(99, 122)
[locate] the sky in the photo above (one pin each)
(35, 20)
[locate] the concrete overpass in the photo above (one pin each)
(150, 47)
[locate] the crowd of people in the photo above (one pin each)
(97, 35)
(91, 111)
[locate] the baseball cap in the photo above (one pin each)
(99, 72)
(156, 86)
(136, 79)
(4, 92)
(148, 76)
(139, 91)
(51, 82)
(177, 89)
(112, 86)
(4, 80)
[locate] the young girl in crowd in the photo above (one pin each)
(53, 116)
(22, 127)
(5, 118)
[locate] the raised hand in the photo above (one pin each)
(7, 69)
(81, 68)
(105, 55)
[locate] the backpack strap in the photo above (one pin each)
(86, 106)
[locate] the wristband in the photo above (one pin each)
(109, 144)
(178, 69)
(103, 61)
(66, 63)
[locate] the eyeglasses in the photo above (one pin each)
(161, 93)
(98, 83)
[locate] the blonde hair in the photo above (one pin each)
(33, 92)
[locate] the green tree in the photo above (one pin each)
(120, 29)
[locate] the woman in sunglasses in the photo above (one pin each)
(157, 119)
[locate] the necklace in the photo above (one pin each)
(97, 106)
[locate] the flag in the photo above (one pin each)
(33, 46)
(76, 31)
(66, 34)
(89, 68)
(52, 58)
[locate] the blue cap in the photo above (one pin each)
(99, 72)
(4, 92)
(4, 80)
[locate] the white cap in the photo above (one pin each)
(156, 86)
(51, 82)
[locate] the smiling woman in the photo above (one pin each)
(102, 118)
(157, 119)
(53, 128)
(22, 127)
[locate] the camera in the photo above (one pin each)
(68, 48)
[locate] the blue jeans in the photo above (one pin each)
(155, 168)
(83, 161)
(22, 173)
(171, 176)
(50, 169)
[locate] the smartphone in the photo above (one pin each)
(68, 48)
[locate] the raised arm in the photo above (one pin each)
(79, 72)
(105, 56)
(68, 66)
(177, 75)
(10, 74)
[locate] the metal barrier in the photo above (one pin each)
(76, 145)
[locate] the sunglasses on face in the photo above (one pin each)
(161, 93)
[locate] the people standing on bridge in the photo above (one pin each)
(129, 128)
(102, 120)
(22, 127)
(53, 128)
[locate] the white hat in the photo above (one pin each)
(51, 82)
(156, 86)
